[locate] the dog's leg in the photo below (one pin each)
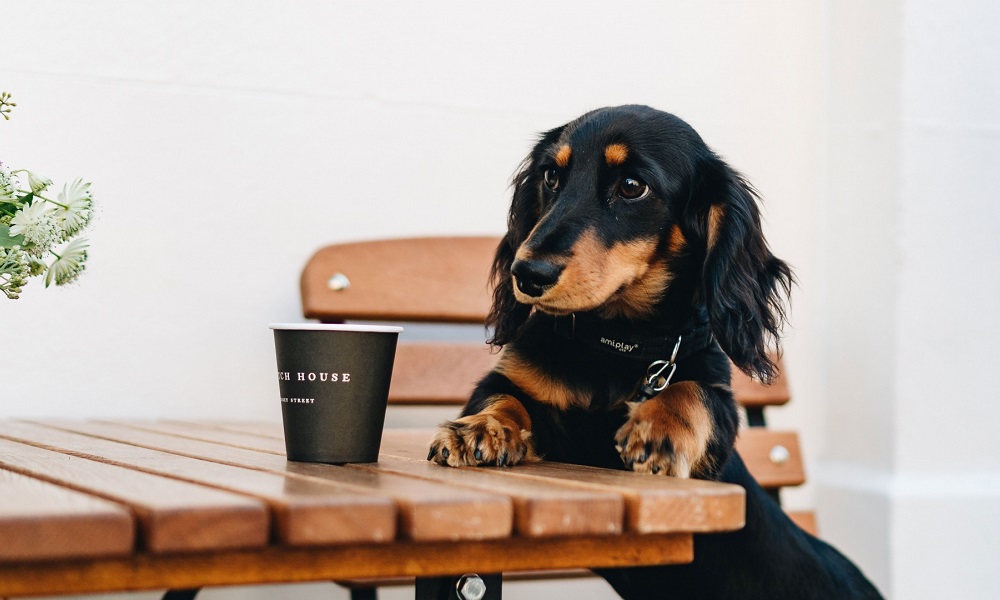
(498, 434)
(670, 434)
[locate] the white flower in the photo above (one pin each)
(37, 182)
(8, 184)
(36, 224)
(36, 266)
(13, 271)
(69, 264)
(76, 210)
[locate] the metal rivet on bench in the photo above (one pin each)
(471, 587)
(779, 455)
(338, 282)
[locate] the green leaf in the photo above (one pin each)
(7, 241)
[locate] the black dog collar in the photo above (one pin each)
(626, 339)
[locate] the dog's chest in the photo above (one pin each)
(568, 374)
(593, 381)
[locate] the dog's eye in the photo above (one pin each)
(631, 188)
(551, 178)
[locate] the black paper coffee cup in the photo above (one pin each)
(334, 383)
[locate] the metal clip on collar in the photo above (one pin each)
(656, 381)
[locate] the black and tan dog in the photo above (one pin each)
(633, 269)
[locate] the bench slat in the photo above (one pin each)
(438, 373)
(393, 280)
(306, 512)
(431, 373)
(42, 521)
(806, 519)
(174, 516)
(756, 445)
(752, 393)
(427, 511)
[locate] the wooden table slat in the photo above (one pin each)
(194, 431)
(540, 508)
(653, 504)
(40, 520)
(754, 445)
(174, 516)
(305, 511)
(259, 428)
(426, 511)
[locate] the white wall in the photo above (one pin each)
(228, 140)
(910, 476)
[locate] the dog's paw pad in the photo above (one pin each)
(480, 440)
(645, 451)
(651, 442)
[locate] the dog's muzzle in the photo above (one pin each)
(533, 277)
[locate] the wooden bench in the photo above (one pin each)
(444, 280)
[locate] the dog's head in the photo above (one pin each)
(627, 213)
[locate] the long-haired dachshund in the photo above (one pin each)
(633, 270)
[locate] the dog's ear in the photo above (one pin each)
(744, 285)
(507, 314)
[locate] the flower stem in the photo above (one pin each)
(59, 204)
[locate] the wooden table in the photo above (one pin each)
(102, 506)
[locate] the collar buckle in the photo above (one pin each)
(656, 381)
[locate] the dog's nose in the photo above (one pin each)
(533, 276)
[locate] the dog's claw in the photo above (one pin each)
(432, 452)
(647, 444)
(482, 439)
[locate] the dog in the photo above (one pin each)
(633, 270)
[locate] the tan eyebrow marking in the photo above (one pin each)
(615, 154)
(562, 156)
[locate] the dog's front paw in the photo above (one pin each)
(667, 435)
(481, 439)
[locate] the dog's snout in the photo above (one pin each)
(533, 276)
